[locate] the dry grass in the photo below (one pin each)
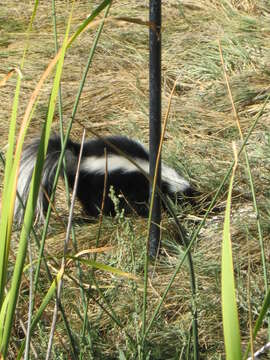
(198, 144)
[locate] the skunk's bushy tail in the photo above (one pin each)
(129, 183)
(28, 161)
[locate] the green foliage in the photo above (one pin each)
(8, 302)
(229, 306)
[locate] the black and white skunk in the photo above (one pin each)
(128, 182)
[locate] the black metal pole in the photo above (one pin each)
(155, 116)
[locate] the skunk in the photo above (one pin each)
(129, 183)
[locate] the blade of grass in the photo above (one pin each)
(89, 19)
(30, 207)
(249, 306)
(8, 207)
(3, 313)
(5, 213)
(10, 179)
(231, 328)
(31, 301)
(9, 74)
(252, 187)
(104, 267)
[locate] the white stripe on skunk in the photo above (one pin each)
(93, 164)
(122, 174)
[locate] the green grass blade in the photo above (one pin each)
(229, 307)
(251, 180)
(9, 177)
(4, 236)
(103, 267)
(3, 313)
(90, 18)
(30, 207)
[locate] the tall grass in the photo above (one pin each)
(29, 210)
(229, 306)
(8, 302)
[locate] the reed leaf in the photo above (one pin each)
(229, 308)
